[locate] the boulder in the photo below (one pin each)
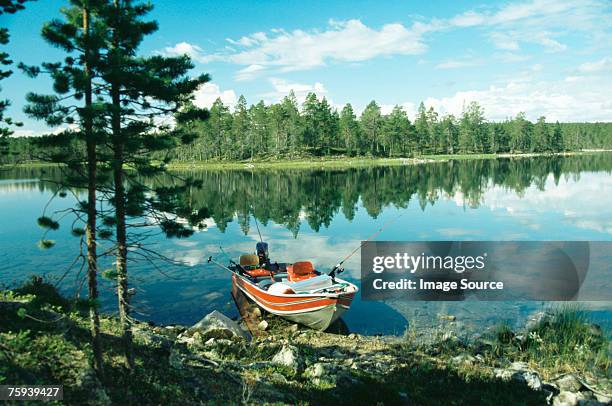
(288, 356)
(216, 325)
(565, 398)
(569, 383)
(537, 320)
(519, 372)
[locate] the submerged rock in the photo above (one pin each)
(216, 325)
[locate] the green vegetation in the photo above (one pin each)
(111, 102)
(281, 131)
(49, 343)
(562, 341)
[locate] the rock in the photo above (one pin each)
(89, 383)
(518, 366)
(146, 336)
(537, 320)
(352, 336)
(210, 342)
(603, 399)
(519, 372)
(463, 359)
(595, 330)
(263, 325)
(565, 399)
(321, 372)
(531, 378)
(183, 339)
(569, 383)
(217, 325)
(276, 377)
(288, 356)
(175, 359)
(446, 317)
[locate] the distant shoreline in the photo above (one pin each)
(336, 162)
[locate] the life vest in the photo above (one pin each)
(300, 271)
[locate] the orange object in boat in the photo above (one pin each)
(255, 273)
(300, 271)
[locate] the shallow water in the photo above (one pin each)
(323, 215)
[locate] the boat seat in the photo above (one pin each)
(249, 260)
(300, 271)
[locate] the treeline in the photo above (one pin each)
(316, 128)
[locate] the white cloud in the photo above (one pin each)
(206, 95)
(569, 99)
(457, 63)
(504, 41)
(342, 41)
(193, 51)
(249, 72)
(541, 22)
(570, 200)
(602, 65)
(282, 88)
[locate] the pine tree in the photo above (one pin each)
(312, 122)
(260, 132)
(396, 128)
(81, 39)
(240, 126)
(371, 126)
(450, 134)
(349, 130)
(293, 124)
(141, 93)
(556, 142)
(421, 125)
(541, 141)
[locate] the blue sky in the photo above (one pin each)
(542, 57)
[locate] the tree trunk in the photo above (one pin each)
(123, 295)
(92, 256)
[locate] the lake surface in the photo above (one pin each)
(322, 215)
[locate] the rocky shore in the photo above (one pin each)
(218, 361)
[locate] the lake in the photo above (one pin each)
(322, 215)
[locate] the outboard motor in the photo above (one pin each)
(262, 252)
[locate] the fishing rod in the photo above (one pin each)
(257, 225)
(224, 253)
(212, 261)
(338, 266)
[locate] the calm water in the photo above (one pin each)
(322, 215)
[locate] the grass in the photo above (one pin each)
(331, 162)
(44, 339)
(340, 162)
(563, 342)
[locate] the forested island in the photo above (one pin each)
(317, 129)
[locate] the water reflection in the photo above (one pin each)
(322, 214)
